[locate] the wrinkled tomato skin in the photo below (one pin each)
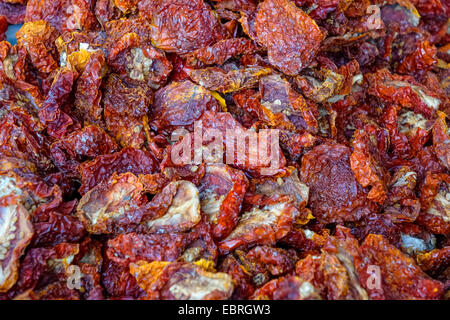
(298, 36)
(106, 106)
(336, 196)
(401, 271)
(127, 160)
(14, 13)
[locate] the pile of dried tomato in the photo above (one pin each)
(92, 206)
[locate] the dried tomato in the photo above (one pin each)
(58, 228)
(102, 206)
(50, 112)
(224, 149)
(220, 52)
(243, 287)
(283, 107)
(14, 13)
(188, 246)
(118, 282)
(176, 208)
(256, 162)
(263, 224)
(3, 27)
(133, 247)
(136, 61)
(181, 281)
(38, 39)
(335, 194)
(80, 145)
(181, 26)
(127, 160)
(286, 185)
(441, 139)
(179, 104)
(221, 193)
(422, 60)
(216, 79)
(87, 92)
(125, 111)
(435, 262)
(366, 166)
(401, 277)
(17, 232)
(287, 288)
(404, 91)
(291, 37)
(64, 15)
(434, 193)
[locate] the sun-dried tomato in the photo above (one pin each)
(224, 149)
(236, 5)
(401, 277)
(217, 79)
(136, 61)
(265, 261)
(366, 166)
(3, 27)
(441, 139)
(37, 195)
(242, 108)
(220, 52)
(179, 104)
(176, 208)
(296, 144)
(80, 145)
(60, 227)
(41, 267)
(435, 262)
(14, 13)
(188, 246)
(335, 194)
(382, 224)
(243, 287)
(434, 193)
(16, 234)
(282, 107)
(127, 160)
(401, 203)
(291, 37)
(337, 273)
(87, 91)
(38, 38)
(221, 193)
(118, 282)
(267, 150)
(102, 207)
(420, 61)
(264, 224)
(105, 11)
(181, 26)
(287, 288)
(305, 240)
(76, 47)
(404, 91)
(286, 185)
(125, 111)
(400, 15)
(50, 112)
(320, 85)
(64, 15)
(181, 281)
(133, 247)
(20, 142)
